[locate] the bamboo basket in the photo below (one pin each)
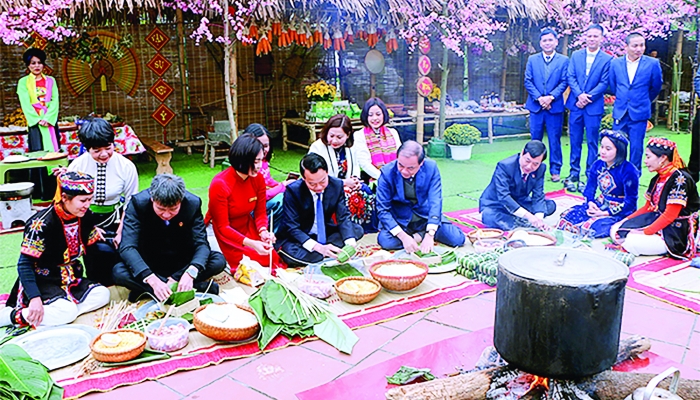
(225, 334)
(122, 355)
(399, 284)
(357, 298)
(486, 233)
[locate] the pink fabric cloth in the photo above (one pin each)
(273, 187)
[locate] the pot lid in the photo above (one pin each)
(15, 187)
(564, 266)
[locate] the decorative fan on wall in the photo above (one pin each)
(125, 71)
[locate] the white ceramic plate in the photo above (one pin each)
(153, 306)
(15, 158)
(58, 346)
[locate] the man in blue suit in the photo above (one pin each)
(588, 80)
(409, 204)
(515, 196)
(636, 80)
(545, 82)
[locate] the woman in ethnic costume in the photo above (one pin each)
(666, 223)
(237, 207)
(618, 182)
(275, 190)
(336, 146)
(375, 144)
(116, 181)
(38, 97)
(50, 289)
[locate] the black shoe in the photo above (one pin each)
(581, 186)
(205, 287)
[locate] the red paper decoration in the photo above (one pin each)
(424, 86)
(157, 39)
(159, 64)
(161, 90)
(163, 115)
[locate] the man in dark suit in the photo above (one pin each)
(588, 79)
(545, 82)
(315, 223)
(164, 241)
(409, 203)
(636, 80)
(515, 196)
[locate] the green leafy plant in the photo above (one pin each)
(606, 122)
(407, 374)
(22, 377)
(462, 135)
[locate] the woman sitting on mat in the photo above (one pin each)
(618, 182)
(375, 144)
(237, 206)
(275, 190)
(666, 223)
(50, 289)
(116, 181)
(335, 145)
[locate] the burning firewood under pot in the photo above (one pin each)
(493, 379)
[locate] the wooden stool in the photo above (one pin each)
(161, 153)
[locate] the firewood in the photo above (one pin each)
(607, 385)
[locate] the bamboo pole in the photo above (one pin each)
(673, 119)
(694, 90)
(183, 72)
(234, 90)
(504, 69)
(420, 114)
(445, 67)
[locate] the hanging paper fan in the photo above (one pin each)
(125, 72)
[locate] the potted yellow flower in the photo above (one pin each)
(461, 139)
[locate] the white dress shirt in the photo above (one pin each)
(590, 58)
(632, 68)
(310, 244)
(122, 179)
(521, 212)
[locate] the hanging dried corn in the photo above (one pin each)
(264, 46)
(349, 35)
(327, 42)
(277, 28)
(372, 38)
(391, 42)
(283, 40)
(318, 35)
(253, 32)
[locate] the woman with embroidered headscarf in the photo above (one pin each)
(666, 223)
(51, 289)
(616, 179)
(375, 144)
(38, 97)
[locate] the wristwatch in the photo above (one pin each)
(431, 232)
(192, 271)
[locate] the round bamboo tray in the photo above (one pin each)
(486, 233)
(225, 334)
(357, 298)
(399, 284)
(121, 355)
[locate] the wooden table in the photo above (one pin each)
(314, 128)
(4, 167)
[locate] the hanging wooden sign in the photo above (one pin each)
(424, 65)
(424, 45)
(424, 86)
(163, 115)
(37, 41)
(159, 64)
(157, 39)
(161, 90)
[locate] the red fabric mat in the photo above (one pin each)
(672, 281)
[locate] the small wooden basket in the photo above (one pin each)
(486, 233)
(225, 334)
(399, 284)
(121, 355)
(357, 298)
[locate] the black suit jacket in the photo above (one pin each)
(299, 211)
(507, 189)
(149, 245)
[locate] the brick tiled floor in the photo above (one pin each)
(675, 334)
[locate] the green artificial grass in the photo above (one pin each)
(462, 181)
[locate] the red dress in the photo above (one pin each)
(233, 202)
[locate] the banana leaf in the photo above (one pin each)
(336, 333)
(340, 271)
(22, 377)
(179, 298)
(407, 374)
(268, 328)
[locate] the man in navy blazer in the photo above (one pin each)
(307, 236)
(545, 82)
(515, 196)
(588, 80)
(409, 204)
(636, 80)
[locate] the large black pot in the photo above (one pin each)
(559, 311)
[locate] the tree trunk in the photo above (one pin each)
(420, 114)
(673, 119)
(230, 74)
(445, 67)
(504, 69)
(607, 385)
